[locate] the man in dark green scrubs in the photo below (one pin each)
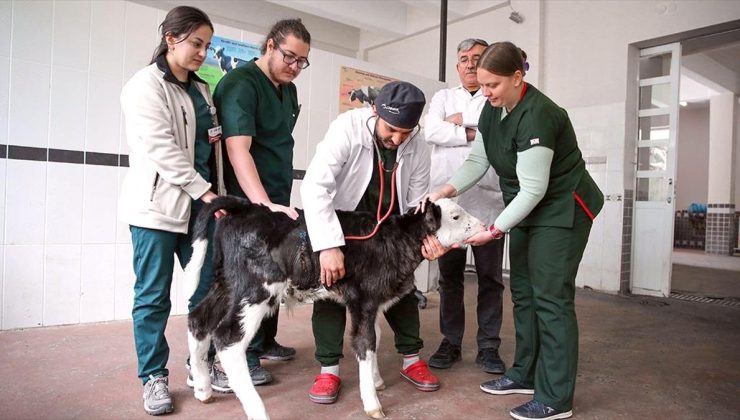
(258, 108)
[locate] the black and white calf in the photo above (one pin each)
(261, 257)
(365, 95)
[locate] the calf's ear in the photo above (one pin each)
(432, 216)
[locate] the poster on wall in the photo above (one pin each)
(358, 88)
(225, 55)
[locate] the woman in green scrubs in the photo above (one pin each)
(551, 202)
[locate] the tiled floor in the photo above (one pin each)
(640, 358)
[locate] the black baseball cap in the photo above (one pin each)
(400, 104)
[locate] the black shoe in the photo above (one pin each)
(259, 375)
(446, 355)
(489, 361)
(537, 410)
(278, 352)
(504, 386)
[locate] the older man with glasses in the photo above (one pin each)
(258, 108)
(450, 127)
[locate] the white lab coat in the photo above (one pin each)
(340, 171)
(450, 148)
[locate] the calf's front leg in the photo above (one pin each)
(363, 342)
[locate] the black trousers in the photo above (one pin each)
(488, 260)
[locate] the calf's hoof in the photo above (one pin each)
(376, 414)
(204, 396)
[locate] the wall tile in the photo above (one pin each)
(103, 114)
(31, 41)
(3, 182)
(99, 201)
(6, 16)
(124, 282)
(64, 203)
(97, 285)
(24, 286)
(317, 126)
(300, 135)
(68, 108)
(62, 284)
(28, 118)
(123, 235)
(26, 190)
(321, 87)
(106, 38)
(71, 42)
(295, 194)
(4, 98)
(2, 282)
(141, 37)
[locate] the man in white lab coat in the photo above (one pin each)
(344, 175)
(450, 128)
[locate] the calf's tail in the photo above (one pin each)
(232, 205)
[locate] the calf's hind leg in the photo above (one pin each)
(234, 361)
(199, 366)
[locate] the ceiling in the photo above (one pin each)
(710, 65)
(340, 26)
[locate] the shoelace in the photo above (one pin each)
(159, 387)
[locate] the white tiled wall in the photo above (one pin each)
(64, 257)
(600, 132)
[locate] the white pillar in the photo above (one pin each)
(721, 133)
(721, 230)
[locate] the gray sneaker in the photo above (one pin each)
(157, 398)
(260, 375)
(219, 380)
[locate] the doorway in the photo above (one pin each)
(675, 83)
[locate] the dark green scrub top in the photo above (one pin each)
(203, 122)
(369, 200)
(537, 121)
(250, 105)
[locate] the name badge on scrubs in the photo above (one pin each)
(214, 134)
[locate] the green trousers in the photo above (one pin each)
(329, 319)
(263, 339)
(154, 261)
(544, 263)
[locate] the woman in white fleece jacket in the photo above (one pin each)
(171, 128)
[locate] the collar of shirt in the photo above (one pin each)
(467, 92)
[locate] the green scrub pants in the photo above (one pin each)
(154, 262)
(544, 263)
(329, 319)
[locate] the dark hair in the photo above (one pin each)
(281, 29)
(503, 59)
(180, 22)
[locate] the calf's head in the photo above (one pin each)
(453, 223)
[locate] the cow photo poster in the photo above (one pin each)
(358, 88)
(223, 56)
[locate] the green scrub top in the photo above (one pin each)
(537, 121)
(369, 200)
(203, 122)
(250, 105)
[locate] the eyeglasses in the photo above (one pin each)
(474, 59)
(290, 58)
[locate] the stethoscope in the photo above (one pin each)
(382, 171)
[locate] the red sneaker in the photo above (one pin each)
(325, 389)
(419, 375)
